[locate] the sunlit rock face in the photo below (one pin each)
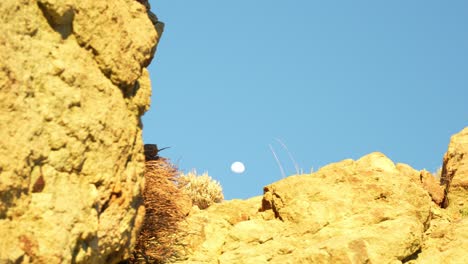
(455, 171)
(73, 86)
(365, 211)
(446, 241)
(368, 210)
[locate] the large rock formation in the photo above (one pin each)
(364, 211)
(73, 86)
(455, 172)
(446, 241)
(369, 210)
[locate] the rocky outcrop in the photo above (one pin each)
(446, 241)
(364, 211)
(432, 186)
(455, 172)
(73, 86)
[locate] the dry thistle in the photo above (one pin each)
(202, 189)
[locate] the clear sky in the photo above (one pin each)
(330, 79)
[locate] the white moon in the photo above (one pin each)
(238, 167)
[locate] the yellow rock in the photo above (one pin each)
(348, 212)
(364, 211)
(73, 86)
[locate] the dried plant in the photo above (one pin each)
(437, 174)
(202, 189)
(296, 165)
(164, 210)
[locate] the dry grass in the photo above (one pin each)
(164, 210)
(202, 189)
(438, 173)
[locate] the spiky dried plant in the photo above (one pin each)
(164, 210)
(202, 189)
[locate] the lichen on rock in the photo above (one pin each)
(73, 86)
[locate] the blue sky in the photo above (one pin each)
(330, 79)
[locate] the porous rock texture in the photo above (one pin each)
(455, 172)
(446, 241)
(365, 211)
(73, 86)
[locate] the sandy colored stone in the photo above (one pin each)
(73, 86)
(432, 186)
(455, 166)
(446, 241)
(364, 211)
(427, 180)
(455, 174)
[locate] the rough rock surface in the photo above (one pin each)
(446, 241)
(364, 211)
(73, 86)
(455, 172)
(432, 186)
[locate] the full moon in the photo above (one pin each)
(238, 167)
